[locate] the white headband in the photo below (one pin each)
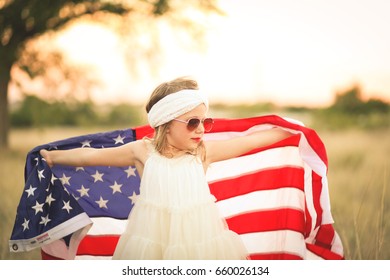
(175, 105)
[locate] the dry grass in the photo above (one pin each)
(359, 189)
(358, 182)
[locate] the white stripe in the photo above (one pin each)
(311, 157)
(282, 241)
(311, 256)
(263, 200)
(277, 157)
(107, 226)
(90, 257)
(309, 198)
(337, 246)
(325, 202)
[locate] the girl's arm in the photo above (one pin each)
(117, 156)
(226, 149)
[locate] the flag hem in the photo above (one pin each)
(66, 228)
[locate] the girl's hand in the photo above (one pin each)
(46, 155)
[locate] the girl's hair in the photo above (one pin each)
(160, 134)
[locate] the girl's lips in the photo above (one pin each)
(197, 139)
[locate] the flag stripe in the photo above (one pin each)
(317, 188)
(107, 226)
(98, 245)
(275, 256)
(273, 220)
(322, 252)
(274, 158)
(284, 198)
(262, 180)
(282, 241)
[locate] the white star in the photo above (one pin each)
(44, 220)
(86, 143)
(37, 160)
(116, 188)
(53, 178)
(130, 171)
(98, 176)
(83, 191)
(25, 224)
(119, 139)
(102, 203)
(79, 168)
(133, 198)
(67, 206)
(65, 180)
(30, 191)
(40, 174)
(38, 207)
(49, 199)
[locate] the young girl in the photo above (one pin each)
(175, 216)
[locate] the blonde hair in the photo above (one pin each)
(159, 140)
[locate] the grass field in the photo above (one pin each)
(359, 185)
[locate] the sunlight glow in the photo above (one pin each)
(286, 52)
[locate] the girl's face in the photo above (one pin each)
(180, 137)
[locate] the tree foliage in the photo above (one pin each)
(29, 113)
(22, 21)
(351, 110)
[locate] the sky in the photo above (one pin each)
(287, 52)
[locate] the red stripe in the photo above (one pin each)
(281, 219)
(143, 131)
(274, 256)
(223, 125)
(269, 179)
(323, 252)
(317, 190)
(45, 256)
(98, 245)
(325, 236)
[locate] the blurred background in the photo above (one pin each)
(69, 68)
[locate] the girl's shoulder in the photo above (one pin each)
(137, 148)
(142, 149)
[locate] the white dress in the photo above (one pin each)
(175, 216)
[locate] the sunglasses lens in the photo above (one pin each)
(208, 124)
(193, 124)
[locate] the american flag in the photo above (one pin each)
(276, 197)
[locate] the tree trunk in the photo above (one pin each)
(4, 119)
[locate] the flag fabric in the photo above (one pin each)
(276, 197)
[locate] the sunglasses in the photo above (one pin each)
(193, 123)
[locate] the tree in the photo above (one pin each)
(22, 21)
(350, 101)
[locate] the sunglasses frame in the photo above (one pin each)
(192, 128)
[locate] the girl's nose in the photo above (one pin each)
(200, 128)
